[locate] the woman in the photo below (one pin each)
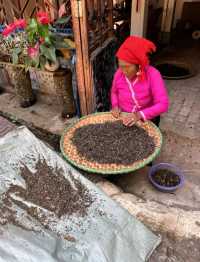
(138, 88)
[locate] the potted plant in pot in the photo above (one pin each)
(43, 56)
(14, 49)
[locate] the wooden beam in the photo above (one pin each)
(110, 17)
(89, 88)
(79, 58)
(139, 13)
(167, 18)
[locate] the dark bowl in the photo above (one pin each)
(169, 167)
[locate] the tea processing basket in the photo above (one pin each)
(71, 154)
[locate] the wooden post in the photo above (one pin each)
(79, 57)
(90, 7)
(167, 15)
(86, 59)
(110, 18)
(139, 14)
(167, 20)
(84, 68)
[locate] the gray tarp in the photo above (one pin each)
(115, 236)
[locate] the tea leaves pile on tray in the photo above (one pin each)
(113, 143)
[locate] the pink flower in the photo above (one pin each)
(9, 29)
(21, 23)
(33, 51)
(41, 40)
(43, 18)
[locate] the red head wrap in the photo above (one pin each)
(135, 50)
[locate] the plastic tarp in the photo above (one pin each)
(112, 235)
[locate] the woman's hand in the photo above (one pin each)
(131, 119)
(116, 112)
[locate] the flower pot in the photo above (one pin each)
(168, 167)
(20, 79)
(58, 85)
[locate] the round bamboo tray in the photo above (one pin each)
(71, 154)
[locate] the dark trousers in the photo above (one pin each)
(156, 121)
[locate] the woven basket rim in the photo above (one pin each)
(109, 172)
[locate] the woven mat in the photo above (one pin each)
(71, 154)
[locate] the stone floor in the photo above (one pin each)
(43, 119)
(171, 250)
(184, 113)
(42, 115)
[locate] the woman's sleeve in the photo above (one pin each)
(114, 93)
(160, 97)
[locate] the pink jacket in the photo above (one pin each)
(149, 97)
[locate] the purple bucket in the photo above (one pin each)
(169, 167)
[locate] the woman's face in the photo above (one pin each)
(128, 69)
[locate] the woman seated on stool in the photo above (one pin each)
(138, 88)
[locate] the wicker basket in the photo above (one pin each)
(58, 84)
(71, 154)
(20, 80)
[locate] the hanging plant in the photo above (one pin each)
(13, 41)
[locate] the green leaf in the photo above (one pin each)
(31, 36)
(42, 62)
(15, 58)
(17, 50)
(27, 63)
(33, 25)
(58, 42)
(43, 30)
(62, 45)
(37, 62)
(15, 55)
(47, 40)
(63, 20)
(32, 30)
(51, 27)
(48, 52)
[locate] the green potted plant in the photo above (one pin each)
(13, 46)
(43, 50)
(42, 43)
(31, 45)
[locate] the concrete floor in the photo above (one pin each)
(171, 250)
(46, 116)
(184, 113)
(185, 154)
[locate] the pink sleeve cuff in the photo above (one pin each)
(143, 115)
(114, 106)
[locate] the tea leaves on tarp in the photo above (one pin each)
(49, 189)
